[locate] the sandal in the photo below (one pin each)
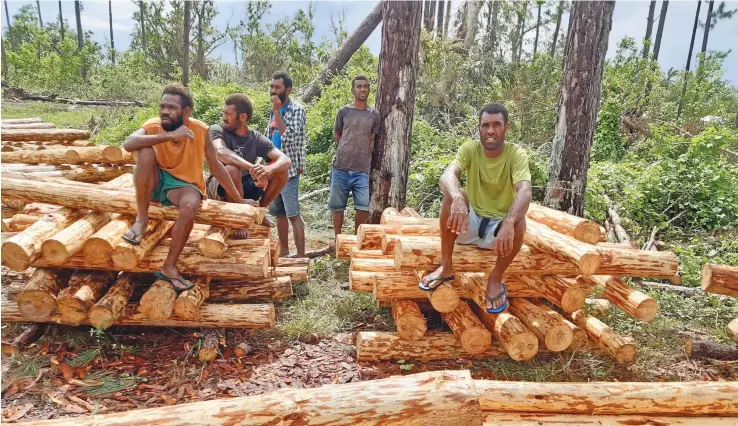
(183, 283)
(439, 279)
(136, 239)
(492, 300)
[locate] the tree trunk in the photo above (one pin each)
(472, 23)
(426, 14)
(126, 256)
(410, 322)
(578, 104)
(689, 60)
(576, 227)
(363, 282)
(84, 289)
(660, 30)
(112, 39)
(585, 257)
(80, 36)
(5, 61)
(707, 27)
(544, 322)
(521, 21)
(237, 291)
(215, 241)
(519, 342)
(142, 9)
(649, 29)
(395, 102)
(38, 299)
(432, 16)
(38, 8)
(538, 29)
(61, 20)
(711, 350)
(200, 67)
(344, 244)
(186, 46)
(559, 15)
(99, 154)
(440, 17)
(433, 346)
(448, 19)
(210, 212)
(211, 340)
(633, 302)
(10, 32)
(611, 342)
(720, 279)
(187, 305)
(44, 135)
(108, 309)
(47, 156)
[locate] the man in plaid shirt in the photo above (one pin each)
(286, 130)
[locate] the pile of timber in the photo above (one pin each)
(82, 272)
(443, 398)
(564, 259)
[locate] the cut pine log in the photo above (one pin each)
(548, 419)
(613, 398)
(445, 298)
(211, 340)
(520, 343)
(84, 289)
(124, 202)
(585, 257)
(39, 209)
(637, 263)
(126, 256)
(29, 334)
(236, 291)
(344, 244)
(369, 236)
(37, 301)
(566, 293)
(295, 273)
(433, 346)
(21, 120)
(14, 135)
(720, 279)
(472, 334)
(711, 350)
(368, 254)
(215, 241)
(256, 316)
(545, 323)
(109, 308)
(19, 222)
(91, 173)
(579, 336)
(410, 322)
(370, 265)
(99, 247)
(410, 212)
(390, 211)
(608, 340)
(158, 302)
(187, 305)
(635, 303)
(71, 239)
(99, 154)
(576, 227)
(732, 330)
(26, 126)
(46, 156)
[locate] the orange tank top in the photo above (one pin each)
(182, 160)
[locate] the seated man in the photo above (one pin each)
(490, 211)
(170, 151)
(238, 148)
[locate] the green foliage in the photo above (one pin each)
(608, 139)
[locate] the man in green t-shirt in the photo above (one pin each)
(490, 211)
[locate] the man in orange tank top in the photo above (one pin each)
(170, 151)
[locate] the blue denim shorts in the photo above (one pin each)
(343, 181)
(287, 203)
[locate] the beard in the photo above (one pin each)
(175, 124)
(282, 96)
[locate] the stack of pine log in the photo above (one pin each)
(82, 272)
(722, 279)
(564, 260)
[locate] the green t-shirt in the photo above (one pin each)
(490, 181)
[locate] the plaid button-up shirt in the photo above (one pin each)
(293, 139)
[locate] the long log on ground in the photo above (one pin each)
(71, 239)
(344, 244)
(369, 254)
(26, 126)
(187, 305)
(126, 255)
(211, 340)
(496, 419)
(210, 211)
(545, 323)
(576, 227)
(637, 263)
(585, 257)
(31, 333)
(99, 247)
(720, 279)
(616, 223)
(633, 302)
(215, 241)
(369, 236)
(84, 290)
(46, 156)
(624, 246)
(610, 398)
(438, 398)
(607, 339)
(236, 291)
(472, 334)
(711, 350)
(521, 344)
(344, 53)
(104, 313)
(88, 173)
(410, 322)
(38, 299)
(45, 135)
(254, 316)
(732, 330)
(99, 154)
(22, 120)
(433, 346)
(687, 291)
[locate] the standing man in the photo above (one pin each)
(170, 151)
(287, 132)
(355, 128)
(490, 211)
(238, 148)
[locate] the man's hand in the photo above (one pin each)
(458, 221)
(260, 171)
(504, 240)
(276, 104)
(181, 133)
(251, 202)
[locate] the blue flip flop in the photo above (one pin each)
(492, 300)
(440, 280)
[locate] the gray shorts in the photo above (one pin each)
(471, 236)
(287, 203)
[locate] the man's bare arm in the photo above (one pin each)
(458, 220)
(519, 206)
(451, 182)
(219, 171)
(281, 162)
(139, 139)
(226, 156)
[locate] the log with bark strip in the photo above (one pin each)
(437, 398)
(90, 173)
(720, 279)
(26, 126)
(576, 227)
(363, 282)
(633, 302)
(638, 263)
(548, 419)
(253, 315)
(71, 239)
(126, 256)
(212, 339)
(15, 135)
(410, 322)
(46, 156)
(445, 298)
(408, 220)
(211, 212)
(696, 348)
(99, 154)
(344, 244)
(27, 120)
(108, 309)
(19, 222)
(99, 247)
(472, 334)
(37, 301)
(566, 293)
(368, 254)
(187, 305)
(295, 273)
(607, 339)
(521, 344)
(236, 291)
(215, 241)
(585, 257)
(544, 322)
(369, 236)
(84, 290)
(158, 302)
(433, 346)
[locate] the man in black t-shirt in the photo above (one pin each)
(238, 149)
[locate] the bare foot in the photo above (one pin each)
(241, 234)
(495, 290)
(267, 222)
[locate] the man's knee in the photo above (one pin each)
(234, 172)
(295, 219)
(145, 157)
(188, 206)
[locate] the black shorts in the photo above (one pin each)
(250, 191)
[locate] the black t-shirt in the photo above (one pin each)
(248, 147)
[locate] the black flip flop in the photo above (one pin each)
(186, 285)
(137, 237)
(440, 279)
